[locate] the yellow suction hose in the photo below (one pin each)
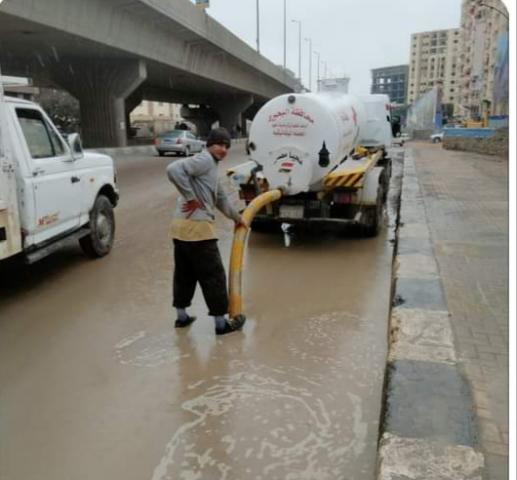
(238, 245)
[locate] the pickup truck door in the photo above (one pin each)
(56, 187)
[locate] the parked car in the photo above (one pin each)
(437, 137)
(180, 142)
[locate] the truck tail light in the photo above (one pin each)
(343, 198)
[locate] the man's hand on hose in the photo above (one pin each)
(241, 222)
(191, 206)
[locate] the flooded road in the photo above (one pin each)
(96, 383)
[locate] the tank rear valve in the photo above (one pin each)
(324, 156)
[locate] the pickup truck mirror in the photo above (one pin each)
(74, 141)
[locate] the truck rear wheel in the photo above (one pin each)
(102, 229)
(372, 216)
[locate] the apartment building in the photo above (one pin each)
(151, 118)
(156, 111)
(484, 58)
(391, 81)
(434, 60)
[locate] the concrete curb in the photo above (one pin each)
(144, 149)
(428, 429)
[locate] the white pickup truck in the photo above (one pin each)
(50, 190)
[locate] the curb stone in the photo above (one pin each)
(146, 149)
(410, 458)
(428, 427)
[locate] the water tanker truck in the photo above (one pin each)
(317, 158)
(326, 152)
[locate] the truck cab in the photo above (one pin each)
(50, 189)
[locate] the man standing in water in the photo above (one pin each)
(196, 256)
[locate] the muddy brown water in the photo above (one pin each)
(96, 383)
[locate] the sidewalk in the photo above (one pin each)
(466, 202)
(446, 410)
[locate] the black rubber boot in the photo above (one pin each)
(231, 325)
(184, 323)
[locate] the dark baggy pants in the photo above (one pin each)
(199, 262)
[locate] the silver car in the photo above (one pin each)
(180, 142)
(437, 137)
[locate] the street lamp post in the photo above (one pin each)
(299, 48)
(310, 62)
(258, 26)
(318, 68)
(285, 34)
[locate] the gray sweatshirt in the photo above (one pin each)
(196, 178)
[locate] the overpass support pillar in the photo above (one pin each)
(230, 111)
(132, 102)
(202, 117)
(102, 88)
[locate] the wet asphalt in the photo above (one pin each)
(96, 383)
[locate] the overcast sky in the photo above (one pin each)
(352, 36)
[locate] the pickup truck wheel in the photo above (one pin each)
(102, 229)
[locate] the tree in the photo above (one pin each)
(61, 107)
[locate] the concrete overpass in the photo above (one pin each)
(112, 54)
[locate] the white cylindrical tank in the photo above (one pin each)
(299, 138)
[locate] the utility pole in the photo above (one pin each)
(310, 62)
(285, 34)
(258, 26)
(299, 49)
(318, 84)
